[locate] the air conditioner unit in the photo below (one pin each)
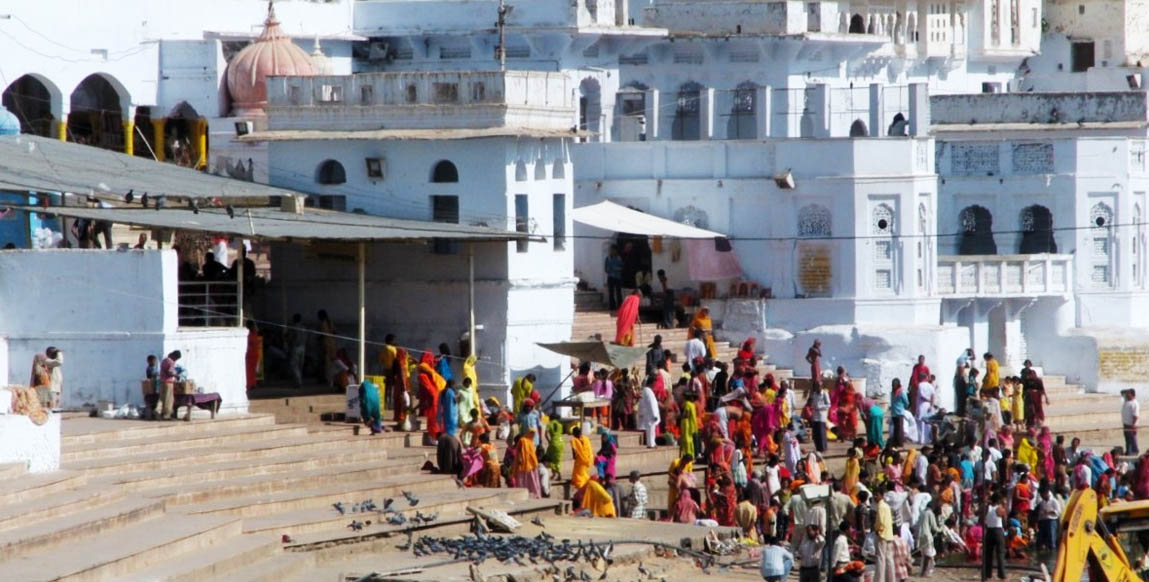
(293, 203)
(784, 180)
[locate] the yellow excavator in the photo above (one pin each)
(1092, 538)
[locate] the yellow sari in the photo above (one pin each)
(672, 481)
(850, 477)
(1027, 453)
(470, 372)
(520, 392)
(583, 455)
(597, 500)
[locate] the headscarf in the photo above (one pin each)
(747, 351)
(469, 371)
(526, 459)
(1027, 453)
(520, 392)
(583, 455)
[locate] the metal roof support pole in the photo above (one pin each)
(362, 260)
(474, 341)
(240, 263)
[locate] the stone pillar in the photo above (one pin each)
(706, 114)
(129, 137)
(820, 106)
(919, 110)
(651, 114)
(762, 112)
(877, 107)
(199, 136)
(158, 137)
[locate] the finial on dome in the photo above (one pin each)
(270, 12)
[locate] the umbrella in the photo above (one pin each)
(599, 352)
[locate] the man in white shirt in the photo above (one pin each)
(1130, 411)
(1048, 512)
(926, 399)
(695, 348)
(820, 403)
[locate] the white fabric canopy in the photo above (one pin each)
(613, 217)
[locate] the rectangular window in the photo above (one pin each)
(522, 221)
(445, 209)
(559, 217)
(446, 92)
(331, 93)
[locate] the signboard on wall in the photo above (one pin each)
(815, 273)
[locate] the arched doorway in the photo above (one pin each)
(857, 24)
(976, 224)
(31, 100)
(590, 106)
(182, 130)
(96, 114)
(1037, 231)
(858, 129)
(687, 112)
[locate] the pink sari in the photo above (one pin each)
(1045, 443)
(1141, 484)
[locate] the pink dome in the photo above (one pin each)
(271, 54)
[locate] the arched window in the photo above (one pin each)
(1101, 219)
(520, 171)
(882, 224)
(976, 225)
(1037, 231)
(857, 24)
(858, 129)
(331, 172)
(814, 221)
(741, 122)
(558, 170)
(444, 172)
(540, 169)
(687, 110)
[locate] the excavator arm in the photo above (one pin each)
(1083, 537)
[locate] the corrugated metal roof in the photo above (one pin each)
(29, 162)
(272, 223)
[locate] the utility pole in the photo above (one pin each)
(501, 24)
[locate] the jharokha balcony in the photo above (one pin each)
(1004, 275)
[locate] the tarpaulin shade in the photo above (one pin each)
(616, 218)
(599, 352)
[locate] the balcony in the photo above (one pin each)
(1037, 275)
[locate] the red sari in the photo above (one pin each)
(627, 315)
(430, 385)
(252, 357)
(847, 409)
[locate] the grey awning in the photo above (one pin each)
(272, 223)
(33, 163)
(599, 352)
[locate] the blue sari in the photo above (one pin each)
(875, 425)
(449, 411)
(369, 406)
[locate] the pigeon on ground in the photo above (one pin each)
(387, 503)
(339, 507)
(355, 525)
(411, 498)
(537, 521)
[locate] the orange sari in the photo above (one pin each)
(431, 384)
(702, 321)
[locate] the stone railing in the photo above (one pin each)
(1004, 275)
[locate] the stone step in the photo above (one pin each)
(71, 529)
(318, 519)
(150, 446)
(278, 502)
(39, 485)
(90, 430)
(225, 558)
(57, 505)
(456, 523)
(315, 444)
(279, 568)
(336, 476)
(193, 474)
(13, 470)
(133, 548)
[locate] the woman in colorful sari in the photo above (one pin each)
(583, 456)
(449, 409)
(473, 463)
(852, 473)
(847, 407)
(746, 352)
(725, 500)
(1141, 480)
(627, 316)
(1035, 398)
(675, 474)
(687, 426)
(1045, 446)
(443, 362)
(553, 457)
(466, 399)
(253, 354)
(369, 409)
(430, 385)
(492, 470)
(400, 388)
(607, 453)
(526, 467)
(875, 422)
(521, 391)
(782, 402)
(1027, 453)
(703, 322)
(759, 415)
(597, 501)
